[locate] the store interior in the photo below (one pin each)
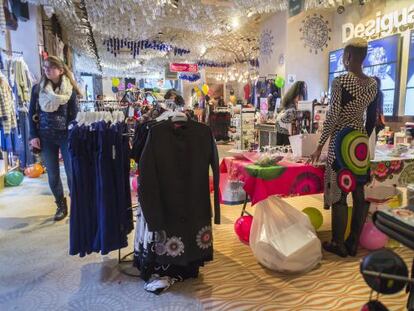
(187, 189)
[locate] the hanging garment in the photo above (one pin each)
(22, 81)
(7, 109)
(101, 214)
(173, 234)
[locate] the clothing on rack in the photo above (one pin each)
(7, 108)
(101, 213)
(219, 122)
(173, 235)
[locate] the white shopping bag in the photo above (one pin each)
(282, 238)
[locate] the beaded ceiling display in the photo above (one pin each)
(128, 34)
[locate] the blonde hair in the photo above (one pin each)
(57, 62)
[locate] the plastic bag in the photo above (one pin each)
(282, 238)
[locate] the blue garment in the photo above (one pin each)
(25, 155)
(101, 214)
(58, 120)
(50, 143)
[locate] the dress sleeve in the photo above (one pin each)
(214, 162)
(149, 188)
(333, 113)
(288, 116)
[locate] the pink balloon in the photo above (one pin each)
(371, 238)
(242, 228)
(135, 183)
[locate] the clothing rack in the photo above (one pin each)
(111, 105)
(12, 52)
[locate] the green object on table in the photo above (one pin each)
(266, 173)
(315, 216)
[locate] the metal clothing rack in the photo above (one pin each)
(111, 105)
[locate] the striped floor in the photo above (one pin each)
(235, 281)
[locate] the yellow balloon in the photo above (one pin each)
(205, 89)
(196, 89)
(199, 93)
(115, 82)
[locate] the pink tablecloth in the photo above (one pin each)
(285, 179)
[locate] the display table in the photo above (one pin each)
(284, 179)
(291, 179)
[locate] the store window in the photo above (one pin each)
(382, 61)
(409, 97)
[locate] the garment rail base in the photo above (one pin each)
(123, 260)
(244, 212)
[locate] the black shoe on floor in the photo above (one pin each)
(351, 247)
(62, 209)
(337, 249)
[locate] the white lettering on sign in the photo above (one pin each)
(382, 25)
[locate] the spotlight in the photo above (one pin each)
(361, 2)
(340, 9)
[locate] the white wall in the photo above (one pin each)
(276, 25)
(305, 64)
(26, 39)
(107, 87)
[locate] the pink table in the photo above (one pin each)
(284, 179)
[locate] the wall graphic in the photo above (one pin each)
(316, 33)
(266, 45)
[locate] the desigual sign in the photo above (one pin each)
(383, 25)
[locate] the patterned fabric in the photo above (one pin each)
(351, 97)
(284, 121)
(7, 110)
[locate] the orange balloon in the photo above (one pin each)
(34, 171)
(38, 167)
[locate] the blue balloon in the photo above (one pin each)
(114, 89)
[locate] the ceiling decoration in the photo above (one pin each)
(132, 34)
(315, 33)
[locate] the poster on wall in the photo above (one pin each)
(409, 97)
(381, 61)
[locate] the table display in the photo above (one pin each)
(289, 178)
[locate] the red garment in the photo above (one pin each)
(247, 91)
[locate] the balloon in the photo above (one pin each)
(34, 171)
(199, 93)
(13, 178)
(315, 216)
(280, 82)
(38, 167)
(133, 165)
(371, 238)
(196, 89)
(374, 305)
(242, 228)
(121, 87)
(135, 184)
(114, 89)
(115, 82)
(130, 86)
(205, 89)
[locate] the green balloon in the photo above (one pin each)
(315, 216)
(280, 82)
(14, 178)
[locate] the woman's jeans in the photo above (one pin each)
(50, 142)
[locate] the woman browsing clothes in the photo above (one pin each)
(52, 107)
(354, 95)
(287, 115)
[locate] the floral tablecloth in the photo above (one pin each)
(284, 179)
(393, 171)
(289, 179)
